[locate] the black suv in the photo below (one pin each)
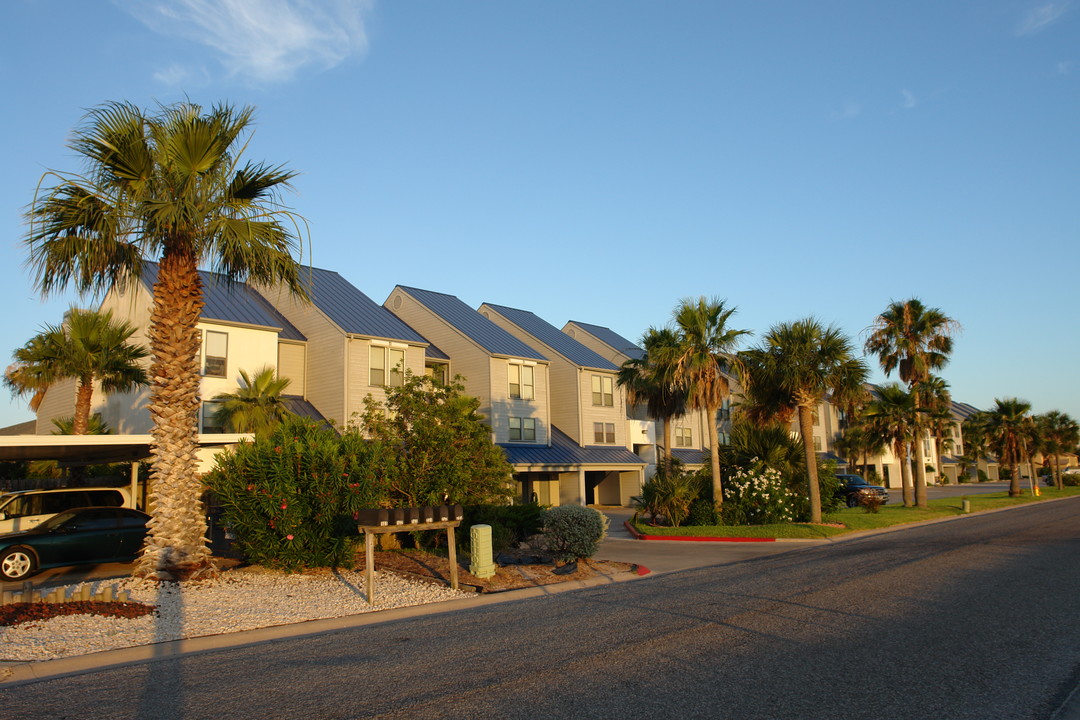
(853, 488)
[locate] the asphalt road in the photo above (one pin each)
(973, 618)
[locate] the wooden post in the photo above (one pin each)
(369, 565)
(452, 547)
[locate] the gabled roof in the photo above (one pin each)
(962, 411)
(613, 339)
(435, 353)
(472, 324)
(564, 451)
(353, 311)
(554, 338)
(231, 302)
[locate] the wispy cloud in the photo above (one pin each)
(849, 110)
(1065, 67)
(1041, 17)
(910, 100)
(265, 40)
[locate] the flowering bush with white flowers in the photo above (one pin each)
(758, 496)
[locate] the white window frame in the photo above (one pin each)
(684, 437)
(603, 433)
(207, 357)
(524, 428)
(383, 364)
(603, 391)
(521, 381)
(209, 407)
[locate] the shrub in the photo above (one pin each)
(1069, 479)
(669, 494)
(702, 512)
(573, 531)
(757, 497)
(510, 524)
(871, 502)
(983, 477)
(290, 496)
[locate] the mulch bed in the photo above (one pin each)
(17, 613)
(433, 568)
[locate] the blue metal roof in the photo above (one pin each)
(472, 324)
(690, 457)
(232, 302)
(564, 451)
(299, 406)
(435, 353)
(353, 311)
(613, 339)
(554, 338)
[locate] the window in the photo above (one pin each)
(210, 421)
(436, 371)
(683, 437)
(603, 391)
(604, 433)
(817, 444)
(521, 381)
(522, 429)
(215, 354)
(387, 366)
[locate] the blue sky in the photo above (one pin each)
(598, 161)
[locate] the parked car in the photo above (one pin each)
(853, 488)
(74, 537)
(26, 509)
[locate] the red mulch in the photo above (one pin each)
(16, 613)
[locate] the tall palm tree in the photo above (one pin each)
(797, 367)
(651, 380)
(976, 442)
(166, 185)
(914, 340)
(1006, 430)
(934, 391)
(89, 347)
(257, 406)
(701, 363)
(1061, 434)
(891, 417)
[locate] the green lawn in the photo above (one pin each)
(854, 519)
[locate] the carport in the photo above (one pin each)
(76, 450)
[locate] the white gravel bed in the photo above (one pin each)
(238, 600)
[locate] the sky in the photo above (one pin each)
(600, 161)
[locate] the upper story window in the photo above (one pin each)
(215, 354)
(387, 366)
(604, 433)
(603, 390)
(683, 437)
(522, 429)
(817, 444)
(522, 381)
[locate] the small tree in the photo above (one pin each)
(443, 451)
(256, 406)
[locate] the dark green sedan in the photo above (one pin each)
(74, 537)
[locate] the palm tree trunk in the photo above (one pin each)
(83, 395)
(667, 445)
(905, 472)
(176, 545)
(920, 472)
(714, 458)
(806, 429)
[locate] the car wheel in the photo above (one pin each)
(17, 563)
(852, 500)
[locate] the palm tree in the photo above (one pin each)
(890, 417)
(914, 340)
(700, 363)
(934, 391)
(256, 407)
(167, 185)
(89, 347)
(1061, 434)
(798, 366)
(94, 426)
(976, 443)
(1006, 431)
(650, 380)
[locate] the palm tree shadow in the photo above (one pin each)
(162, 693)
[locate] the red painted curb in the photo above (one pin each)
(691, 538)
(642, 570)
